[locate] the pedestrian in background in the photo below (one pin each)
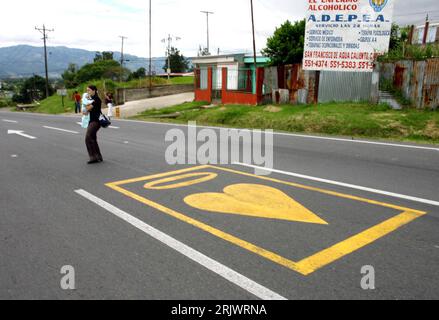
(109, 101)
(91, 140)
(77, 98)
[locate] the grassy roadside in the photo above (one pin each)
(53, 104)
(360, 120)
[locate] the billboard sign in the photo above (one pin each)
(346, 35)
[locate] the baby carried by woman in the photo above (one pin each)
(86, 101)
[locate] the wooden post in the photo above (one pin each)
(316, 87)
(427, 25)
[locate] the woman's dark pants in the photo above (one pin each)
(91, 141)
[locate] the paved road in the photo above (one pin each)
(155, 237)
(135, 107)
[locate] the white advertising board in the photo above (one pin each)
(346, 35)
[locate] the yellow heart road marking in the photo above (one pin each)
(254, 200)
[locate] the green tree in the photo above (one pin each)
(139, 74)
(397, 37)
(179, 64)
(287, 44)
(103, 56)
(70, 76)
(103, 69)
(33, 89)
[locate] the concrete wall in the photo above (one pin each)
(203, 92)
(229, 96)
(127, 95)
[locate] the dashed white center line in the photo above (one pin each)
(9, 121)
(196, 256)
(62, 130)
(14, 156)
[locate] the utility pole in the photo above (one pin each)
(150, 46)
(254, 38)
(168, 52)
(44, 32)
(207, 16)
(121, 58)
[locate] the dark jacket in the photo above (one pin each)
(95, 113)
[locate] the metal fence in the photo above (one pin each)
(431, 84)
(418, 81)
(345, 86)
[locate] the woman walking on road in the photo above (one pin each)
(91, 141)
(109, 101)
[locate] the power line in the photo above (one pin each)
(415, 13)
(44, 32)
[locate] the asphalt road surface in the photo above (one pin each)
(135, 227)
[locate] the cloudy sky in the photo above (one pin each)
(97, 24)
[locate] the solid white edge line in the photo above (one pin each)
(214, 266)
(342, 184)
(407, 146)
(9, 121)
(297, 135)
(62, 130)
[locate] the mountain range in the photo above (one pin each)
(23, 61)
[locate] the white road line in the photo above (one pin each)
(20, 133)
(347, 185)
(397, 145)
(360, 141)
(214, 266)
(111, 127)
(10, 121)
(62, 130)
(276, 133)
(384, 144)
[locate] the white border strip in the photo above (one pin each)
(397, 145)
(214, 266)
(407, 146)
(342, 184)
(111, 127)
(62, 130)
